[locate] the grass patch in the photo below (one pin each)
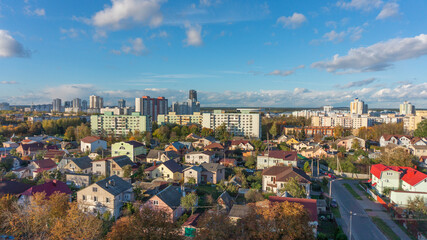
(208, 189)
(351, 190)
(336, 212)
(385, 228)
(328, 228)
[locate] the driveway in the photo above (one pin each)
(362, 226)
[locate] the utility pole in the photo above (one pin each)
(318, 166)
(330, 192)
(351, 217)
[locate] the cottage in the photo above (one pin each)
(214, 147)
(203, 142)
(109, 195)
(39, 166)
(274, 178)
(29, 149)
(418, 150)
(79, 165)
(132, 149)
(111, 166)
(169, 201)
(204, 173)
(238, 212)
(277, 157)
(169, 170)
(92, 144)
(161, 156)
(48, 188)
(197, 158)
(350, 142)
(78, 179)
(244, 145)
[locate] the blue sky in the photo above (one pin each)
(234, 53)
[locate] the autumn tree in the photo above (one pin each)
(421, 130)
(273, 130)
(82, 131)
(70, 133)
(127, 171)
(307, 168)
(397, 157)
(214, 225)
(253, 196)
(189, 201)
(206, 132)
(338, 131)
(294, 188)
(145, 223)
(417, 205)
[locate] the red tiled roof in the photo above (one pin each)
(151, 168)
(49, 188)
(237, 142)
(45, 163)
(285, 155)
(409, 175)
(309, 204)
(214, 145)
(90, 139)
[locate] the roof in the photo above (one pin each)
(171, 196)
(192, 220)
(387, 137)
(135, 144)
(226, 199)
(195, 168)
(211, 167)
(83, 162)
(237, 142)
(309, 204)
(178, 145)
(422, 147)
(90, 139)
(119, 160)
(285, 155)
(32, 146)
(45, 163)
(210, 138)
(239, 211)
(154, 153)
(192, 135)
(151, 168)
(49, 188)
(52, 153)
(12, 187)
(284, 173)
(213, 146)
(172, 165)
(203, 152)
(409, 175)
(114, 185)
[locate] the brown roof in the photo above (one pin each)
(90, 139)
(284, 173)
(237, 142)
(213, 146)
(285, 155)
(309, 204)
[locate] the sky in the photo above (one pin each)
(289, 53)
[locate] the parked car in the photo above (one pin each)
(332, 176)
(334, 203)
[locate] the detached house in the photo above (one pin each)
(29, 149)
(349, 141)
(39, 166)
(111, 166)
(92, 143)
(169, 201)
(109, 194)
(244, 145)
(275, 178)
(161, 156)
(203, 142)
(48, 188)
(169, 170)
(418, 150)
(79, 165)
(179, 147)
(204, 173)
(317, 152)
(277, 158)
(401, 140)
(132, 149)
(392, 177)
(200, 157)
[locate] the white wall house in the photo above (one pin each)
(198, 158)
(92, 143)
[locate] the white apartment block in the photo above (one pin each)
(407, 108)
(244, 123)
(358, 107)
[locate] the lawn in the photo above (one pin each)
(351, 190)
(208, 189)
(385, 228)
(336, 212)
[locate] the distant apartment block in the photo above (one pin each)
(4, 106)
(344, 121)
(173, 118)
(189, 107)
(109, 123)
(310, 131)
(116, 110)
(358, 107)
(406, 108)
(57, 105)
(244, 123)
(410, 123)
(122, 103)
(96, 102)
(151, 106)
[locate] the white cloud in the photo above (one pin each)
(72, 32)
(161, 34)
(40, 12)
(376, 57)
(99, 35)
(357, 83)
(9, 47)
(284, 73)
(194, 35)
(353, 33)
(390, 9)
(136, 47)
(37, 11)
(8, 82)
(292, 22)
(364, 5)
(124, 13)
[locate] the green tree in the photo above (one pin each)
(294, 188)
(251, 162)
(127, 171)
(82, 131)
(421, 130)
(307, 167)
(189, 201)
(273, 130)
(253, 196)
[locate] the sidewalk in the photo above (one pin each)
(377, 210)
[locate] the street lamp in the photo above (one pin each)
(351, 217)
(330, 191)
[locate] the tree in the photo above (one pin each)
(294, 188)
(189, 201)
(127, 171)
(307, 167)
(273, 130)
(146, 223)
(417, 205)
(70, 133)
(253, 196)
(251, 162)
(397, 157)
(421, 130)
(214, 225)
(338, 131)
(355, 144)
(82, 131)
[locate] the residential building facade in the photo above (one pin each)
(109, 123)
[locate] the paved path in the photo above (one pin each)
(362, 226)
(378, 211)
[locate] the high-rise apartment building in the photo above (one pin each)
(406, 108)
(108, 123)
(57, 105)
(84, 105)
(189, 107)
(96, 102)
(122, 103)
(68, 104)
(192, 95)
(327, 108)
(4, 106)
(77, 105)
(244, 123)
(151, 106)
(358, 107)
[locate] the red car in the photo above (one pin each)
(332, 176)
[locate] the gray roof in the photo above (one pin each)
(135, 144)
(83, 162)
(114, 185)
(239, 211)
(212, 167)
(195, 168)
(173, 166)
(122, 161)
(171, 196)
(154, 153)
(226, 198)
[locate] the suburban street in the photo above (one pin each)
(362, 226)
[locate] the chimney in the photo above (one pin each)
(155, 163)
(54, 182)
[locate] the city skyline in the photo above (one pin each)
(234, 53)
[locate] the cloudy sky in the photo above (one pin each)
(234, 53)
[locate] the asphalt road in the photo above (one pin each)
(362, 226)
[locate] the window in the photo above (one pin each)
(84, 197)
(95, 198)
(94, 189)
(155, 202)
(98, 165)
